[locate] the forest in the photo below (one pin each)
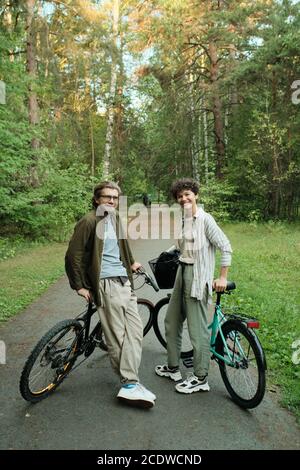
(144, 92)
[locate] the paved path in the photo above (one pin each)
(84, 413)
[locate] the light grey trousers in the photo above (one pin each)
(182, 306)
(122, 328)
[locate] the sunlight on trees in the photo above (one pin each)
(145, 92)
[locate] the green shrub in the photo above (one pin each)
(215, 198)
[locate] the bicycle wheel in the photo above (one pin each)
(145, 309)
(51, 360)
(159, 328)
(245, 379)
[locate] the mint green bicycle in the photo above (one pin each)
(234, 346)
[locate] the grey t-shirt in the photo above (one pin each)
(111, 264)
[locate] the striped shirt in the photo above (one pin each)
(207, 237)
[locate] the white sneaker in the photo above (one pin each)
(164, 371)
(193, 384)
(148, 391)
(136, 395)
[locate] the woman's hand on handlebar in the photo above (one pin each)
(220, 284)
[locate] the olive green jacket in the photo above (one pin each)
(84, 255)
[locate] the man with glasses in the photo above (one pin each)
(99, 265)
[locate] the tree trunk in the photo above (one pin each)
(203, 129)
(92, 144)
(90, 106)
(276, 187)
(193, 140)
(8, 23)
(205, 140)
(275, 184)
(33, 107)
(234, 97)
(112, 91)
(217, 111)
(274, 197)
(117, 164)
(43, 39)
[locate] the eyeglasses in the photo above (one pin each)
(108, 197)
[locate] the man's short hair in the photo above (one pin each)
(182, 184)
(99, 187)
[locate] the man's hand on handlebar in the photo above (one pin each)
(135, 267)
(85, 293)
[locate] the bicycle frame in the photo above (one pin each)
(86, 337)
(215, 326)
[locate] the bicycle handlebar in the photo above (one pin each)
(148, 279)
(230, 286)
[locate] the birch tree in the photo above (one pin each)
(33, 106)
(112, 90)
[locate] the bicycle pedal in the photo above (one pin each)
(188, 362)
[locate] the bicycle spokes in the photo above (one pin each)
(159, 328)
(53, 361)
(241, 364)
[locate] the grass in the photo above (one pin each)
(266, 265)
(26, 272)
(10, 247)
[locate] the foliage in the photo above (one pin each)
(49, 210)
(265, 266)
(257, 62)
(216, 197)
(203, 90)
(28, 274)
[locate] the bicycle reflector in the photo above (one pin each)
(253, 324)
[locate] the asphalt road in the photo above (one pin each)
(84, 413)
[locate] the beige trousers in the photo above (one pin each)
(122, 328)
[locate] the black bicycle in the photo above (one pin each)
(55, 354)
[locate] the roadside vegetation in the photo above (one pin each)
(27, 269)
(265, 267)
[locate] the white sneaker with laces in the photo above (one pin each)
(148, 391)
(193, 384)
(165, 371)
(136, 395)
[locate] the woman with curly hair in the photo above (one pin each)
(200, 238)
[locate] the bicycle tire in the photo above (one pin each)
(145, 309)
(246, 382)
(159, 328)
(52, 357)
